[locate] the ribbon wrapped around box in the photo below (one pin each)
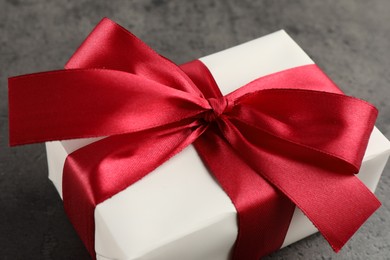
(206, 160)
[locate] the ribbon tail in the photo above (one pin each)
(100, 170)
(332, 198)
(261, 226)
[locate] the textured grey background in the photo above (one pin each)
(348, 39)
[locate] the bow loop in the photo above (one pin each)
(110, 46)
(317, 120)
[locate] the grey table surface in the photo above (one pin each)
(349, 40)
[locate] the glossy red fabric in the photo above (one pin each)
(290, 138)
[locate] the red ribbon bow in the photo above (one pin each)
(284, 139)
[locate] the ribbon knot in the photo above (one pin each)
(218, 107)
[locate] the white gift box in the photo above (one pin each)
(179, 211)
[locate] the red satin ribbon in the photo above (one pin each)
(286, 139)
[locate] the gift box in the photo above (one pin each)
(179, 211)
